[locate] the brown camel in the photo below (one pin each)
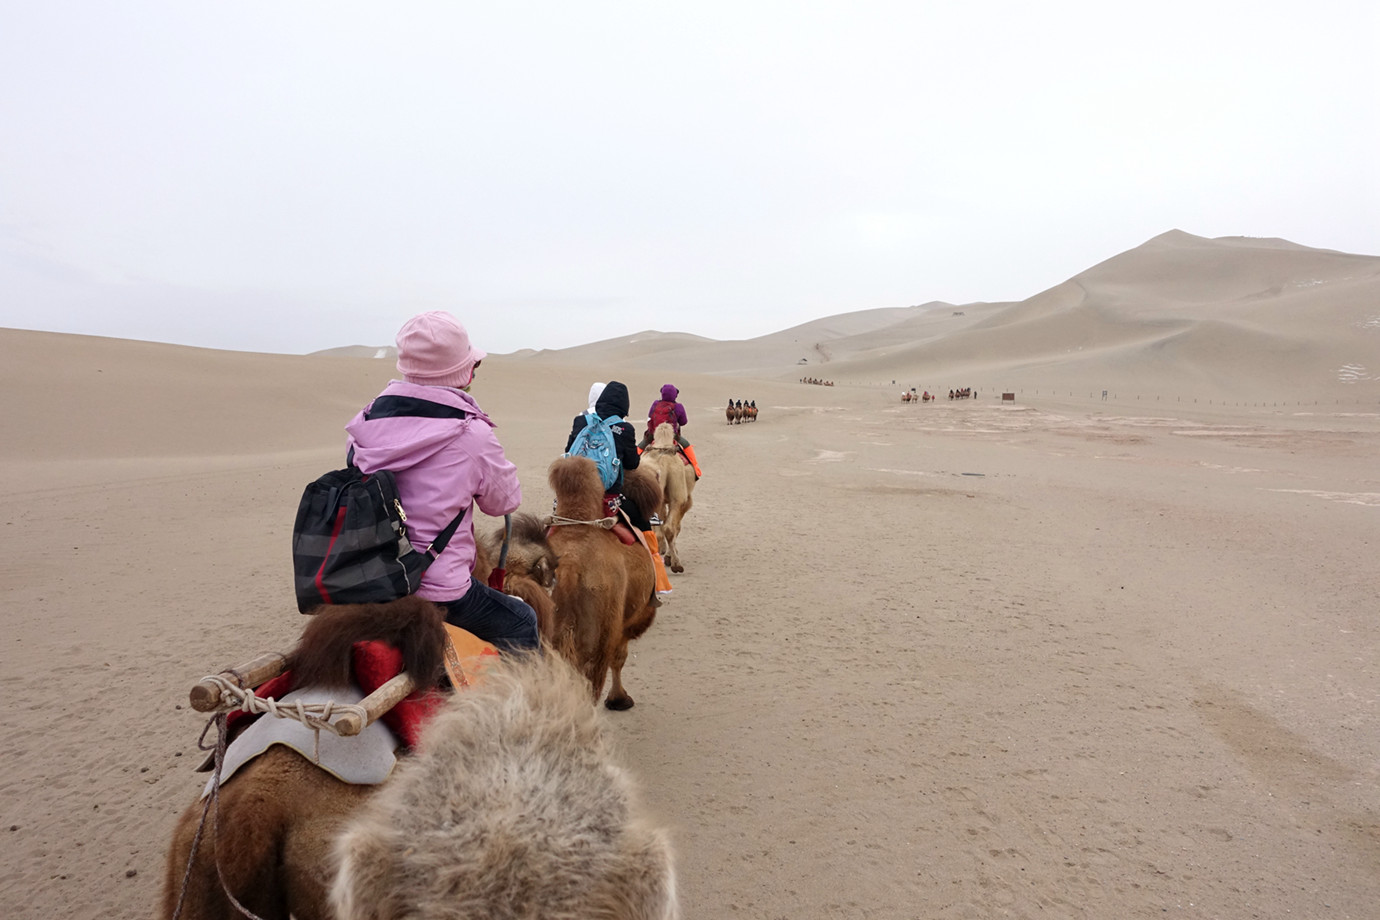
(677, 482)
(604, 588)
(282, 804)
(513, 808)
(280, 815)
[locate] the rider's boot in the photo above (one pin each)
(690, 455)
(663, 583)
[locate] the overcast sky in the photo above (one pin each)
(292, 176)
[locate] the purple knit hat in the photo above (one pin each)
(435, 350)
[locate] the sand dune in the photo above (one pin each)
(1180, 315)
(1061, 657)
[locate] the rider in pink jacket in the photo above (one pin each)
(443, 464)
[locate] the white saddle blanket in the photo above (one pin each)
(365, 759)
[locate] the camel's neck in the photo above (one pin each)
(580, 510)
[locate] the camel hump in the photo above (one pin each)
(415, 627)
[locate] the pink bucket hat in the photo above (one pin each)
(435, 350)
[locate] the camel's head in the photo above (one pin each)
(664, 438)
(528, 552)
(513, 805)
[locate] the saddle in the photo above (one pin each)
(622, 527)
(375, 663)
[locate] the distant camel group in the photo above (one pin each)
(911, 396)
(817, 382)
(739, 412)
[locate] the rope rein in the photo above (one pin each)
(212, 809)
(557, 521)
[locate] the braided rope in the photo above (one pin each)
(557, 521)
(315, 716)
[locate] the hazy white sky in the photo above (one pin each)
(291, 176)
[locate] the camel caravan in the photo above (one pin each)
(910, 395)
(398, 764)
(817, 382)
(739, 412)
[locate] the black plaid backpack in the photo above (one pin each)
(350, 543)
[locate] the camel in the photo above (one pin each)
(732, 413)
(273, 844)
(282, 803)
(604, 588)
(677, 482)
(513, 808)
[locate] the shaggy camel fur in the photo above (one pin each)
(512, 809)
(677, 482)
(604, 588)
(279, 813)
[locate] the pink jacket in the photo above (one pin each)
(441, 466)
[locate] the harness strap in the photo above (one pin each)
(556, 520)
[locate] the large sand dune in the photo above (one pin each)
(1180, 316)
(1061, 657)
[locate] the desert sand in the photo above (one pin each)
(1065, 655)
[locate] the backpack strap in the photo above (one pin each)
(413, 407)
(438, 546)
(409, 407)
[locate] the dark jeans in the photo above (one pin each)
(635, 513)
(494, 617)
